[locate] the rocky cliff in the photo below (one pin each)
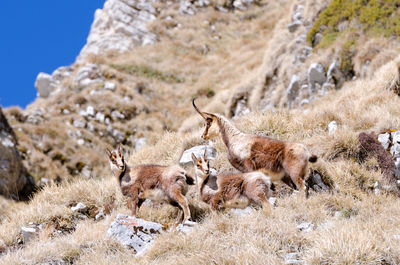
(15, 182)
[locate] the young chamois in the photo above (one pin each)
(247, 152)
(157, 183)
(231, 190)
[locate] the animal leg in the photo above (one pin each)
(260, 197)
(183, 204)
(215, 201)
(297, 174)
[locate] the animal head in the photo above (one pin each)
(201, 164)
(210, 120)
(116, 157)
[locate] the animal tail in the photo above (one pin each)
(189, 179)
(313, 159)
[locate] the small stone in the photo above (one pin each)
(109, 86)
(384, 139)
(90, 111)
(80, 141)
(242, 212)
(332, 127)
(272, 201)
(306, 227)
(186, 227)
(292, 27)
(99, 216)
(29, 233)
(80, 207)
(100, 117)
(305, 102)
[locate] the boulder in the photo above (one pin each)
(14, 180)
(316, 75)
(384, 139)
(45, 84)
(293, 90)
(134, 232)
(292, 27)
(335, 75)
(241, 108)
(198, 151)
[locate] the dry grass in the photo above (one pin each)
(352, 225)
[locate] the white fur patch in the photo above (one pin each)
(274, 176)
(240, 146)
(156, 195)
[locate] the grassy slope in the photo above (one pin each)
(351, 223)
(363, 231)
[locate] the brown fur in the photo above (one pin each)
(233, 190)
(161, 183)
(248, 152)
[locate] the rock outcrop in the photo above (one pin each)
(120, 26)
(134, 232)
(14, 180)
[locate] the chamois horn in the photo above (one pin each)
(203, 114)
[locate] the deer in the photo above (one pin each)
(280, 160)
(165, 184)
(231, 190)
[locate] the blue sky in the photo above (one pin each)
(39, 36)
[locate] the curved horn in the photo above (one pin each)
(201, 113)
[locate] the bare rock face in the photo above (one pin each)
(198, 151)
(134, 232)
(46, 84)
(120, 26)
(14, 181)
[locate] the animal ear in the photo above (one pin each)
(120, 149)
(194, 158)
(205, 153)
(108, 152)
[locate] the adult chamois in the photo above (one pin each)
(231, 190)
(248, 152)
(157, 183)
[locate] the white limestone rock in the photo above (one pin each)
(292, 27)
(45, 84)
(316, 75)
(29, 233)
(134, 232)
(384, 139)
(140, 142)
(198, 151)
(87, 75)
(332, 127)
(306, 227)
(120, 26)
(80, 208)
(186, 227)
(293, 90)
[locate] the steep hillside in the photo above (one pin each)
(259, 63)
